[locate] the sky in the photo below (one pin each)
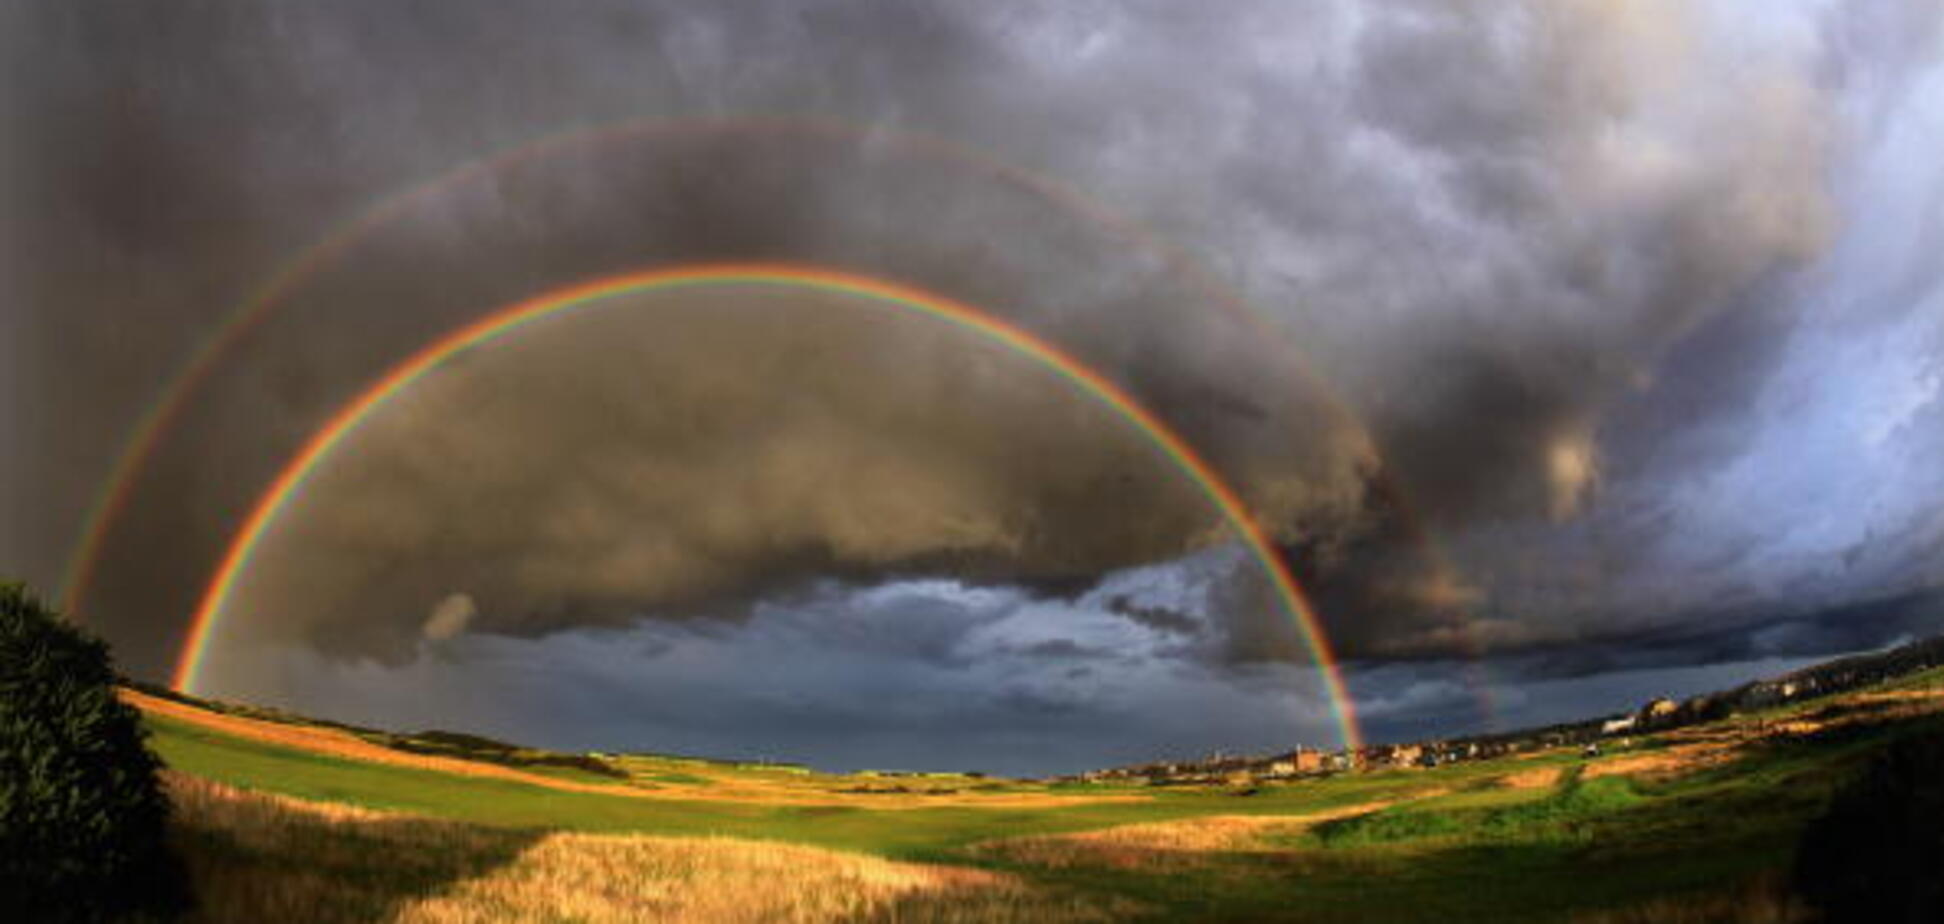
(1569, 353)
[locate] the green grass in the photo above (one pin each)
(1579, 846)
(1485, 796)
(1455, 845)
(1567, 812)
(899, 833)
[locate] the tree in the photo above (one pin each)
(83, 819)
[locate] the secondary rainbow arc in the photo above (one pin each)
(160, 417)
(292, 478)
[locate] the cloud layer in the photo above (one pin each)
(1581, 326)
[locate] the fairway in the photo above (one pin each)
(900, 825)
(1710, 813)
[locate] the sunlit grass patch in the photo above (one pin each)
(1540, 836)
(257, 858)
(1567, 813)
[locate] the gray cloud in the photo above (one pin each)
(694, 450)
(1159, 618)
(830, 678)
(1632, 302)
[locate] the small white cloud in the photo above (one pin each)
(450, 616)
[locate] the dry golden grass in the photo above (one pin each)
(257, 858)
(1898, 696)
(1531, 779)
(1665, 764)
(1187, 842)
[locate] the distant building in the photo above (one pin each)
(1295, 763)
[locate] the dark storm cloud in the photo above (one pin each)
(793, 681)
(1859, 626)
(709, 191)
(1568, 261)
(690, 452)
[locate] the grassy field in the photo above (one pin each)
(1692, 825)
(256, 857)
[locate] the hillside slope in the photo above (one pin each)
(1692, 823)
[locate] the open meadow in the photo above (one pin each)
(971, 461)
(285, 819)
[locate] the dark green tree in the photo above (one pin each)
(83, 819)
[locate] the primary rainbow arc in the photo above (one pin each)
(291, 480)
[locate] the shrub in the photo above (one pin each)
(83, 821)
(1875, 854)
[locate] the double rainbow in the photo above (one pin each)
(504, 322)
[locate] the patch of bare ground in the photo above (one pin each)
(256, 858)
(1531, 779)
(334, 742)
(1165, 844)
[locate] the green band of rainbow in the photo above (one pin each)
(292, 479)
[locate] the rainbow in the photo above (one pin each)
(292, 479)
(159, 418)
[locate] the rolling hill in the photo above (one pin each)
(285, 817)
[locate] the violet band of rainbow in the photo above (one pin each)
(291, 480)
